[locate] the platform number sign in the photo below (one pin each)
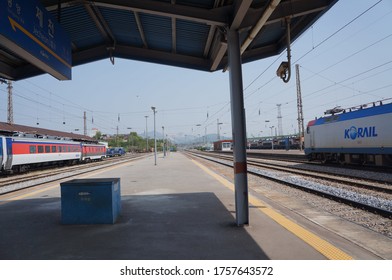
(30, 31)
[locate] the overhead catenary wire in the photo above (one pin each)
(314, 47)
(267, 97)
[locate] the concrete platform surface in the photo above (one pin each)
(174, 210)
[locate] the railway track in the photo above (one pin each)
(298, 158)
(21, 181)
(372, 203)
(379, 185)
(302, 159)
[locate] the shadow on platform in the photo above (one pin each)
(166, 226)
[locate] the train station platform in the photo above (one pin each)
(175, 210)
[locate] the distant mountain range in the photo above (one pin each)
(188, 139)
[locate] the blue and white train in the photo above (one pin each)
(361, 136)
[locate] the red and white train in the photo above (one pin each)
(21, 153)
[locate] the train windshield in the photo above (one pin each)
(226, 145)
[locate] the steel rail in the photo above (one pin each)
(379, 211)
(312, 173)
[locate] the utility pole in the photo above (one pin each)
(280, 126)
(85, 124)
(10, 116)
(301, 129)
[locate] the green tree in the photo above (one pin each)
(98, 135)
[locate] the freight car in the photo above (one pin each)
(21, 152)
(360, 135)
(113, 152)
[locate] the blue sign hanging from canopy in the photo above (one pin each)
(30, 31)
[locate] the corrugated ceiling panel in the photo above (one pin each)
(158, 31)
(84, 34)
(191, 37)
(267, 35)
(123, 26)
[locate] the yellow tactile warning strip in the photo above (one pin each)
(26, 195)
(324, 247)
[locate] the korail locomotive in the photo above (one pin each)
(360, 135)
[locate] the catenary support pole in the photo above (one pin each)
(238, 128)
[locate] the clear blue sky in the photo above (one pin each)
(350, 68)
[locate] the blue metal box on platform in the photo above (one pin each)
(90, 201)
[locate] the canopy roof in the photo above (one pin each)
(183, 33)
(16, 129)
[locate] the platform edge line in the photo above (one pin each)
(324, 247)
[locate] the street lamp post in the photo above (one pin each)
(272, 137)
(199, 134)
(155, 139)
(218, 124)
(163, 133)
(146, 135)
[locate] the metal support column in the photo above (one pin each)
(239, 128)
(10, 115)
